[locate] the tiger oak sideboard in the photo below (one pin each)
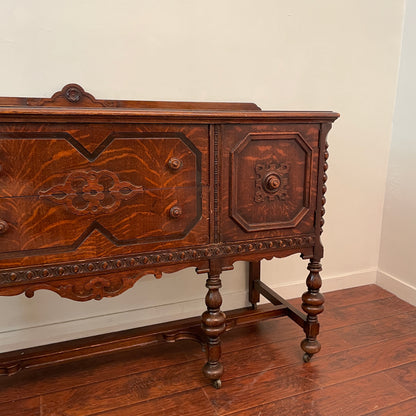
(98, 193)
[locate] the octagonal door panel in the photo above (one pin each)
(272, 172)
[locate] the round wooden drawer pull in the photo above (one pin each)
(174, 163)
(3, 226)
(271, 182)
(175, 212)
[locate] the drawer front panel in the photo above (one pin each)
(94, 191)
(36, 227)
(35, 166)
(272, 173)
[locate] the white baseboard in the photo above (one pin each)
(329, 284)
(401, 289)
(62, 331)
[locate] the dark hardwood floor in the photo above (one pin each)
(367, 366)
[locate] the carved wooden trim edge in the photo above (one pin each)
(97, 287)
(216, 184)
(71, 94)
(135, 262)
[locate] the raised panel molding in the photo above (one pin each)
(272, 182)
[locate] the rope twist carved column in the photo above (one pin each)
(324, 179)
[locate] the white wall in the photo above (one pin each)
(300, 55)
(398, 244)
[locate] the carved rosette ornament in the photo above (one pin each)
(92, 192)
(271, 181)
(73, 94)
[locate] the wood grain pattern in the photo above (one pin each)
(405, 375)
(368, 359)
(197, 404)
(406, 408)
(94, 194)
(243, 148)
(276, 337)
(261, 376)
(74, 94)
(122, 391)
(26, 407)
(350, 399)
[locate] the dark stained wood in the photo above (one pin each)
(263, 375)
(74, 94)
(97, 193)
(275, 299)
(378, 330)
(368, 359)
(359, 294)
(26, 407)
(406, 408)
(123, 391)
(253, 278)
(352, 398)
(270, 341)
(376, 309)
(13, 362)
(256, 389)
(405, 375)
(241, 392)
(197, 404)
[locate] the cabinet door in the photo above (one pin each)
(272, 180)
(91, 190)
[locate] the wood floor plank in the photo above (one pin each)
(123, 391)
(169, 380)
(354, 295)
(263, 363)
(60, 377)
(159, 382)
(256, 389)
(112, 366)
(190, 403)
(405, 375)
(274, 355)
(406, 408)
(352, 398)
(364, 312)
(377, 330)
(362, 361)
(25, 407)
(330, 370)
(78, 373)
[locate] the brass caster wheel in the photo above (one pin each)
(307, 357)
(216, 384)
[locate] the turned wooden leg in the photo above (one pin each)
(253, 275)
(312, 304)
(213, 324)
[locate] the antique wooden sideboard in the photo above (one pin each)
(97, 193)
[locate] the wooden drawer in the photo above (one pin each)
(95, 194)
(272, 180)
(132, 185)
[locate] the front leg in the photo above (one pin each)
(213, 324)
(312, 304)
